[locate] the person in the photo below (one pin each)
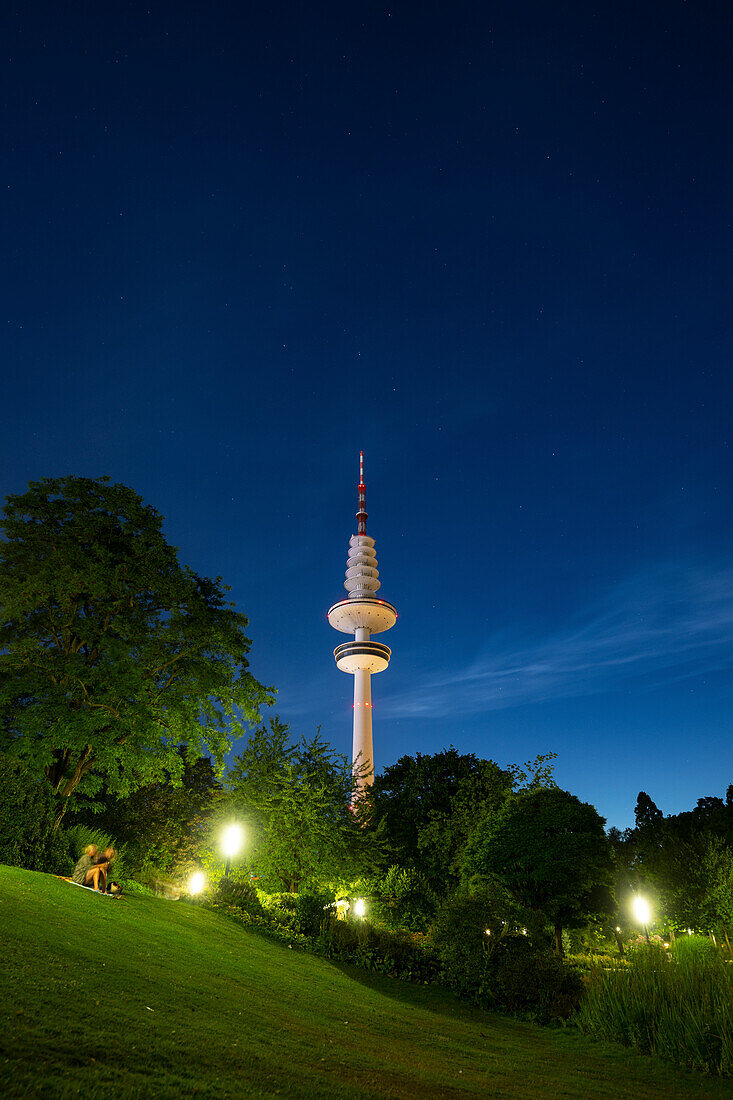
(91, 869)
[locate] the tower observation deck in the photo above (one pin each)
(362, 614)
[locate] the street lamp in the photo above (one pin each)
(231, 842)
(642, 913)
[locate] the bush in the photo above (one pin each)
(27, 815)
(130, 886)
(484, 962)
(280, 909)
(465, 932)
(675, 1005)
(312, 909)
(304, 913)
(240, 895)
(532, 982)
(266, 925)
(403, 899)
(377, 949)
(58, 856)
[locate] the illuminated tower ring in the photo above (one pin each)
(362, 615)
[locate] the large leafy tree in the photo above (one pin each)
(161, 824)
(295, 799)
(112, 653)
(427, 805)
(552, 854)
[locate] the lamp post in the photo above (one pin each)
(231, 842)
(642, 912)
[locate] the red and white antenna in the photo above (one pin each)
(361, 515)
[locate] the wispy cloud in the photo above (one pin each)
(667, 624)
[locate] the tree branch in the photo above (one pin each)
(83, 765)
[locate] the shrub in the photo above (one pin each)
(461, 941)
(280, 909)
(58, 856)
(397, 954)
(403, 899)
(240, 895)
(483, 961)
(266, 925)
(533, 982)
(27, 815)
(312, 909)
(465, 932)
(675, 1005)
(304, 913)
(130, 886)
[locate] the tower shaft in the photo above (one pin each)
(363, 744)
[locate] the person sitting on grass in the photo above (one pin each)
(91, 870)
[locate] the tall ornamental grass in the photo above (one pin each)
(80, 836)
(678, 1005)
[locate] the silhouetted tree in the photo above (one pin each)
(551, 852)
(427, 805)
(111, 652)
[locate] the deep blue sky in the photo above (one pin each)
(488, 244)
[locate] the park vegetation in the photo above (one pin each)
(124, 681)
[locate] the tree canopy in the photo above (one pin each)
(427, 805)
(296, 801)
(112, 653)
(162, 825)
(683, 861)
(550, 851)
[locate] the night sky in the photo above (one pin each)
(488, 244)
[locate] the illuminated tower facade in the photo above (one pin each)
(362, 615)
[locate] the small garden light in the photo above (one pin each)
(196, 883)
(231, 842)
(360, 907)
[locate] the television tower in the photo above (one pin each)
(362, 615)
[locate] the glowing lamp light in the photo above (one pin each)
(642, 912)
(231, 840)
(196, 883)
(360, 907)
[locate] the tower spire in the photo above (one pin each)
(361, 515)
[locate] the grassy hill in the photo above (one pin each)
(154, 998)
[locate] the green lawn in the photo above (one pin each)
(154, 998)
